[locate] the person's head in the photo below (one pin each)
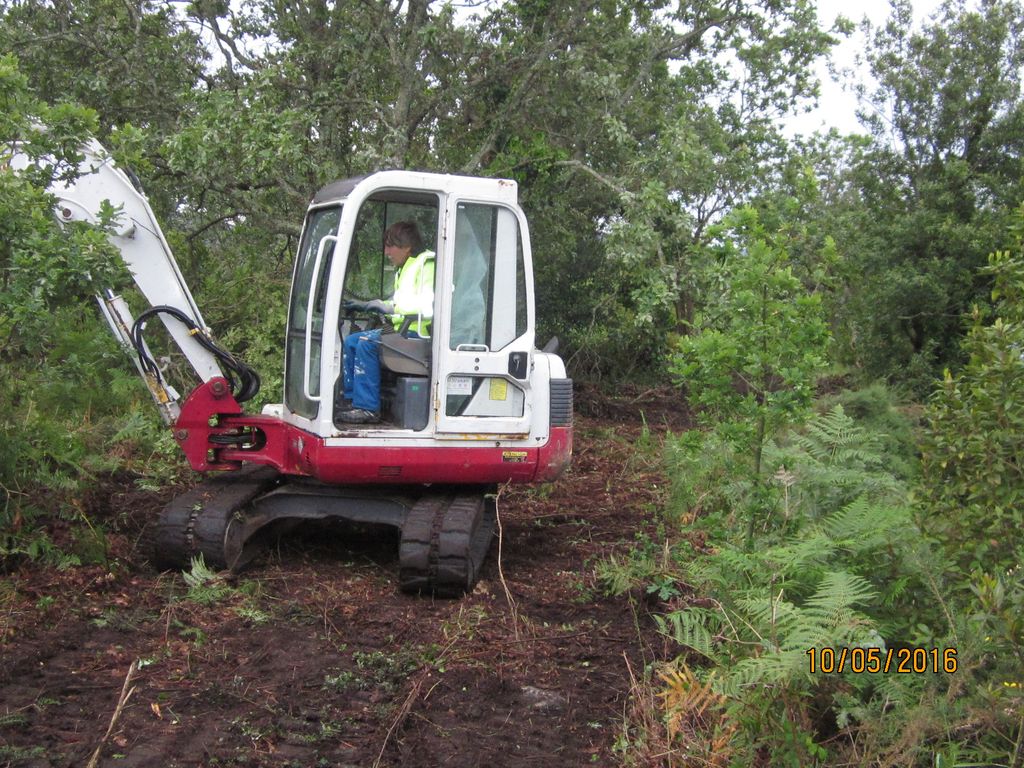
(401, 240)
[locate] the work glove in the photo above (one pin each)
(354, 306)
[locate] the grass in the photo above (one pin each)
(14, 755)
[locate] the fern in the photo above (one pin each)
(800, 554)
(769, 669)
(833, 437)
(205, 586)
(695, 714)
(837, 593)
(864, 526)
(617, 578)
(832, 462)
(200, 574)
(690, 628)
(837, 563)
(786, 631)
(725, 568)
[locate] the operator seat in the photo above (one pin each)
(409, 357)
(404, 355)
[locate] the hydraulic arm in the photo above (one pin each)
(144, 250)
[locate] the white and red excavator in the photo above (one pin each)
(473, 406)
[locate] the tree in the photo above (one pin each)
(938, 184)
(630, 125)
(133, 63)
(42, 265)
(752, 359)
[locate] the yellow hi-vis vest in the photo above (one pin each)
(414, 293)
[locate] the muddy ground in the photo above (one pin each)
(312, 657)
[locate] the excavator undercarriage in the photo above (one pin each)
(228, 519)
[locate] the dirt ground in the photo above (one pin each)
(312, 657)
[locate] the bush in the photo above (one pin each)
(973, 459)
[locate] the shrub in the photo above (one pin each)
(973, 457)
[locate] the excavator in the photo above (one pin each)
(468, 407)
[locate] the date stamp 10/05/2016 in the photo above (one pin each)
(901, 661)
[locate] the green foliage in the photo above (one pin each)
(205, 586)
(1000, 621)
(632, 129)
(970, 499)
(970, 717)
(832, 463)
(647, 565)
(376, 670)
(42, 265)
(62, 378)
(65, 427)
(751, 360)
(893, 424)
(66, 48)
(973, 489)
(710, 477)
(840, 563)
(833, 502)
(626, 132)
(54, 368)
(760, 338)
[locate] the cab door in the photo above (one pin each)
(486, 338)
(305, 344)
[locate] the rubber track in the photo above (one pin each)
(444, 542)
(198, 521)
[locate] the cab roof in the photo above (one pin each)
(475, 187)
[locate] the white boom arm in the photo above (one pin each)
(144, 250)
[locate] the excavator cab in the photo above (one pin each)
(477, 373)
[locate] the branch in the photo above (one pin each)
(126, 694)
(513, 102)
(581, 166)
(197, 232)
(224, 40)
(684, 44)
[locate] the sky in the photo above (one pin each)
(837, 107)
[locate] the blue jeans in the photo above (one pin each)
(362, 370)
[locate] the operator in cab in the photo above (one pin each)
(413, 296)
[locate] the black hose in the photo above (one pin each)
(244, 381)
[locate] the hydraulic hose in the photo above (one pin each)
(244, 381)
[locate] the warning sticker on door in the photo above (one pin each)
(514, 457)
(499, 389)
(460, 385)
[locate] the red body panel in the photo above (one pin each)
(293, 451)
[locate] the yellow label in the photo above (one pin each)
(499, 389)
(514, 457)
